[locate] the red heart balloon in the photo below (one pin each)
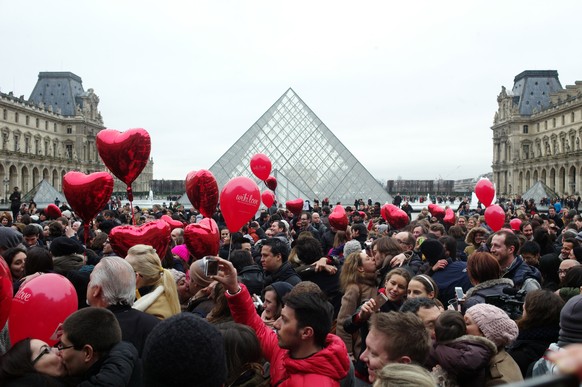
(40, 306)
(125, 154)
(495, 217)
(261, 166)
(398, 219)
(52, 211)
(87, 194)
(485, 191)
(202, 190)
(384, 212)
(515, 224)
(338, 218)
(6, 291)
(240, 200)
(173, 223)
(449, 217)
(271, 182)
(202, 238)
(295, 206)
(268, 198)
(436, 211)
(155, 234)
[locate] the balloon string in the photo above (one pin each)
(130, 198)
(229, 249)
(85, 235)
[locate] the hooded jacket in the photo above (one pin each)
(324, 368)
(479, 293)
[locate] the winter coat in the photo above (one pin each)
(155, 303)
(502, 370)
(252, 276)
(453, 275)
(479, 293)
(286, 273)
(519, 272)
(531, 344)
(120, 367)
(545, 367)
(353, 297)
(135, 325)
(324, 368)
(465, 359)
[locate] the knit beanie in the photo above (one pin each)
(570, 318)
(9, 237)
(182, 252)
(494, 323)
(184, 350)
(282, 288)
(197, 274)
(61, 246)
(178, 275)
(352, 246)
(433, 250)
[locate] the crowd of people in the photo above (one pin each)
(297, 302)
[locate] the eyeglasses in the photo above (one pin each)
(563, 271)
(43, 352)
(61, 347)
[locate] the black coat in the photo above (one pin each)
(135, 325)
(286, 273)
(531, 344)
(120, 367)
(252, 276)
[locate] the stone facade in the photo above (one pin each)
(52, 133)
(537, 131)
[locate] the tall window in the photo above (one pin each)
(37, 122)
(26, 145)
(16, 117)
(525, 129)
(16, 147)
(5, 114)
(69, 130)
(27, 120)
(69, 151)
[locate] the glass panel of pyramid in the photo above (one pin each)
(308, 160)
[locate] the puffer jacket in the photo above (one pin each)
(479, 293)
(324, 368)
(465, 359)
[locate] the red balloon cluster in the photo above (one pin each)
(87, 194)
(338, 218)
(155, 234)
(40, 306)
(240, 199)
(202, 238)
(202, 190)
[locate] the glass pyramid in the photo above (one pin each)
(308, 160)
(43, 195)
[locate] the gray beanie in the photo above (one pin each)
(352, 246)
(570, 322)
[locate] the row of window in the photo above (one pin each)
(563, 119)
(37, 121)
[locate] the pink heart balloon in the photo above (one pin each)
(449, 217)
(173, 223)
(240, 200)
(202, 238)
(202, 190)
(295, 206)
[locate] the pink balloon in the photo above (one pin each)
(515, 224)
(40, 306)
(261, 166)
(485, 191)
(268, 198)
(495, 217)
(240, 199)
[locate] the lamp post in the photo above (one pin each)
(6, 181)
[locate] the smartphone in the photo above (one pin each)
(210, 266)
(380, 299)
(459, 293)
(257, 301)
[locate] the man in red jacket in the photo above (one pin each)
(302, 352)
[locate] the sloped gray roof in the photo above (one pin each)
(59, 90)
(43, 194)
(532, 89)
(538, 191)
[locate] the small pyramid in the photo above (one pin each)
(538, 191)
(43, 194)
(308, 160)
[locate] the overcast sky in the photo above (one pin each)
(409, 87)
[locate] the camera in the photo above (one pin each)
(511, 302)
(210, 266)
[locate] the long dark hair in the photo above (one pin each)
(17, 361)
(542, 310)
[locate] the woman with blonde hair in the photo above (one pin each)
(156, 289)
(358, 283)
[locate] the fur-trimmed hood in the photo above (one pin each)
(488, 284)
(470, 238)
